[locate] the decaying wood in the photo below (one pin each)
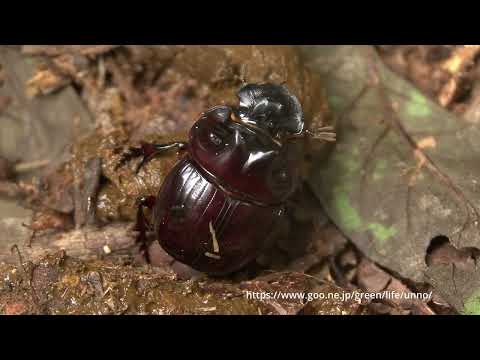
(85, 243)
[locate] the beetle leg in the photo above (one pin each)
(142, 224)
(148, 151)
(152, 150)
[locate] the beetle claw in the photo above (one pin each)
(131, 154)
(142, 163)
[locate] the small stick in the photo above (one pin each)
(32, 165)
(216, 248)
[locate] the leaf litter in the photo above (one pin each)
(403, 173)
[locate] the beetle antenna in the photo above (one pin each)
(325, 133)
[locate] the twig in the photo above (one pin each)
(31, 165)
(87, 243)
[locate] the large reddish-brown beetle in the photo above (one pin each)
(219, 206)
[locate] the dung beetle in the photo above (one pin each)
(220, 204)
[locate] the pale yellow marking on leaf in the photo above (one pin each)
(421, 161)
(428, 142)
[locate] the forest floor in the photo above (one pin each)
(62, 255)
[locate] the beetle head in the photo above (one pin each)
(272, 108)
